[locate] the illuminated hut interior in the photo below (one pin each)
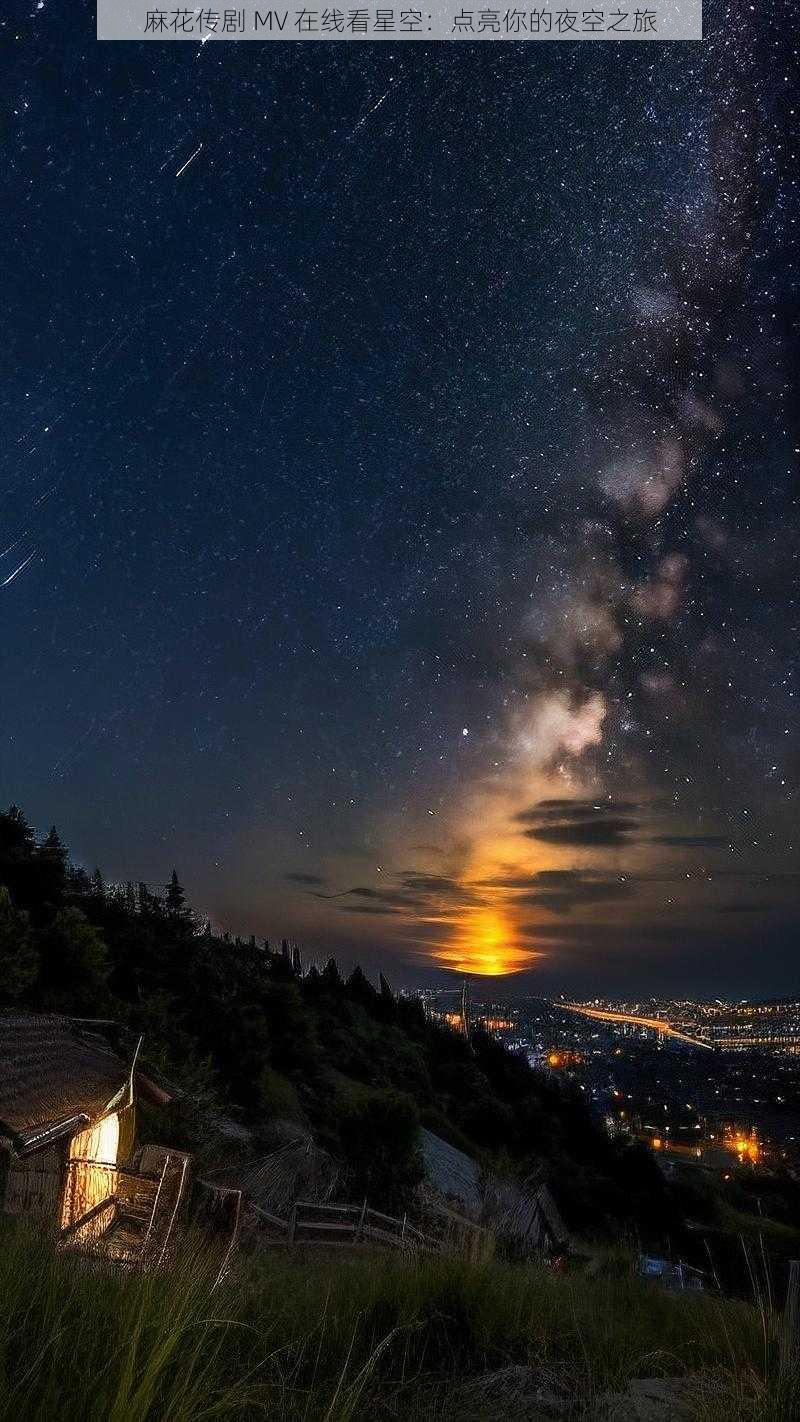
(67, 1136)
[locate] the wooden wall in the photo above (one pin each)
(34, 1184)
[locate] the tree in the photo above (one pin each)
(175, 900)
(360, 989)
(331, 976)
(51, 861)
(380, 1142)
(17, 849)
(386, 1007)
(19, 961)
(75, 963)
(16, 835)
(78, 882)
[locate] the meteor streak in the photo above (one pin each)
(19, 569)
(189, 160)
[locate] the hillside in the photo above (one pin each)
(308, 1338)
(249, 1036)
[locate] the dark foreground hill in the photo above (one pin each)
(249, 1035)
(301, 1336)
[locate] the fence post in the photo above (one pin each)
(156, 1199)
(293, 1223)
(362, 1217)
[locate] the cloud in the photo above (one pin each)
(378, 909)
(577, 809)
(601, 835)
(431, 884)
(410, 891)
(562, 890)
(309, 880)
(692, 841)
(586, 823)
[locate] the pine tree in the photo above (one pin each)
(360, 989)
(51, 867)
(16, 835)
(17, 861)
(175, 898)
(386, 1007)
(331, 976)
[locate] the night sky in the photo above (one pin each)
(399, 520)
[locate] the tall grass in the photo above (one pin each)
(325, 1336)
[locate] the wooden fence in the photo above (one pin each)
(310, 1222)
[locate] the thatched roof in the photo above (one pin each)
(297, 1170)
(53, 1072)
(529, 1213)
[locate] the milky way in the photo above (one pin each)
(399, 520)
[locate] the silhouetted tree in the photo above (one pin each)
(331, 976)
(78, 882)
(386, 1007)
(19, 960)
(175, 900)
(75, 964)
(51, 860)
(17, 847)
(361, 990)
(380, 1141)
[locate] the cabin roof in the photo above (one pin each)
(529, 1212)
(53, 1071)
(297, 1170)
(450, 1171)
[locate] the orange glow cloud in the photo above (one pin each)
(543, 737)
(484, 942)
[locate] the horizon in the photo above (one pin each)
(511, 986)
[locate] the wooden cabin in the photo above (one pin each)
(68, 1153)
(527, 1218)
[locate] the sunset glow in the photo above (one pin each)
(484, 943)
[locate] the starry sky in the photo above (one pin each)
(399, 506)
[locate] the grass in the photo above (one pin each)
(316, 1336)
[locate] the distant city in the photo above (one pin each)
(710, 1085)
